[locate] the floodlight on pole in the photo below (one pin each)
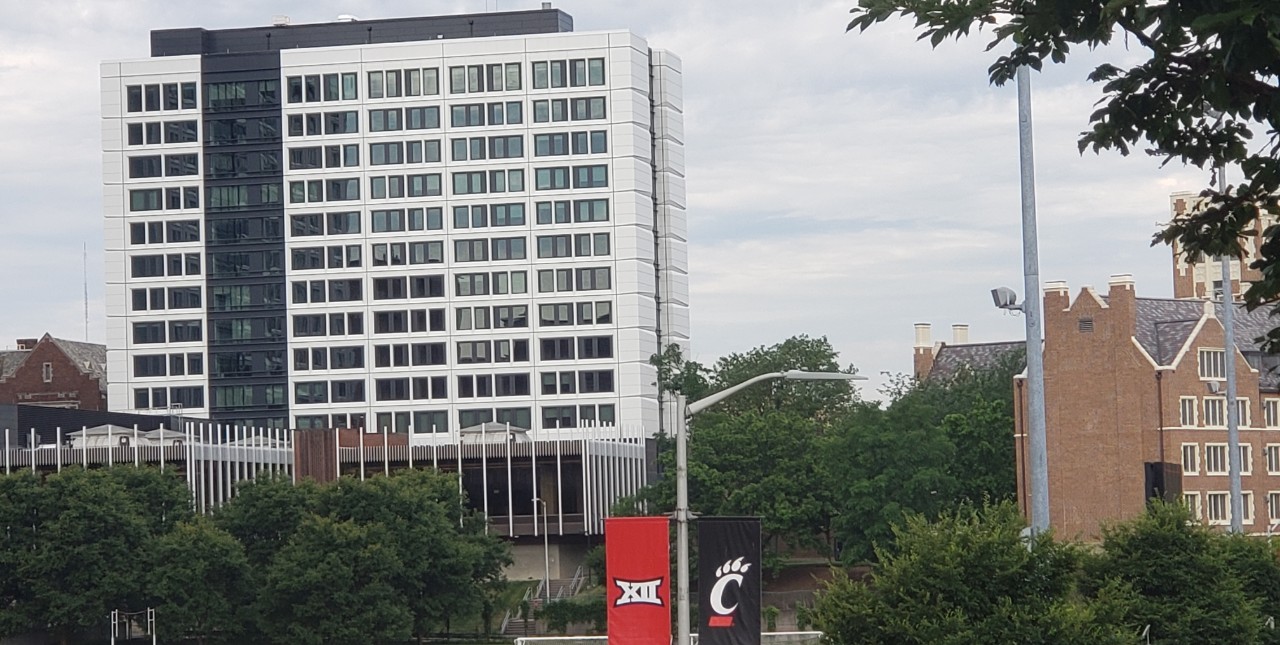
(682, 516)
(1038, 465)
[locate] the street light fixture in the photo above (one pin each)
(546, 548)
(1005, 298)
(682, 478)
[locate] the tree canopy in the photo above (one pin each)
(826, 471)
(972, 577)
(1205, 91)
(380, 560)
(967, 578)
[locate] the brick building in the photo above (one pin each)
(1135, 409)
(1201, 279)
(53, 372)
(942, 360)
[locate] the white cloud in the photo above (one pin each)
(839, 183)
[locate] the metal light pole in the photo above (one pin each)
(1039, 456)
(546, 548)
(683, 631)
(1229, 364)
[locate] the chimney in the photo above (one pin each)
(923, 337)
(922, 354)
(1056, 297)
(1122, 297)
(959, 334)
(1121, 281)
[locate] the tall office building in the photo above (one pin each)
(420, 223)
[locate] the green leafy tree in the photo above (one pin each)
(886, 465)
(1256, 564)
(589, 609)
(1173, 574)
(331, 585)
(20, 518)
(814, 400)
(679, 375)
(983, 466)
(264, 514)
(763, 464)
(88, 556)
(1200, 60)
(967, 578)
(163, 496)
(447, 563)
(199, 580)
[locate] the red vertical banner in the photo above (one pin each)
(638, 563)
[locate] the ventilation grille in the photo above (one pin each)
(1085, 325)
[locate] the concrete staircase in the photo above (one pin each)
(561, 589)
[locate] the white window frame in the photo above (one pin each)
(1242, 412)
(1216, 448)
(1272, 452)
(1246, 459)
(1192, 502)
(1189, 411)
(1194, 462)
(1217, 508)
(1273, 506)
(1246, 499)
(1215, 412)
(1271, 413)
(1212, 364)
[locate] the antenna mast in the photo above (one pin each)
(85, 249)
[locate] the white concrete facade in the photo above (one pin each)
(519, 270)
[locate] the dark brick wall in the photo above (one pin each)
(70, 386)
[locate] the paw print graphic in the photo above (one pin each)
(732, 566)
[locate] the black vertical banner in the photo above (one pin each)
(729, 581)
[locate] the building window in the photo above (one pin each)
(1246, 500)
(1242, 413)
(1246, 459)
(1271, 412)
(1215, 459)
(1190, 459)
(1216, 508)
(1273, 459)
(563, 416)
(1187, 409)
(46, 372)
(1192, 502)
(1213, 364)
(1273, 506)
(1215, 413)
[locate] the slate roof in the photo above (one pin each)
(91, 358)
(10, 360)
(1162, 327)
(952, 359)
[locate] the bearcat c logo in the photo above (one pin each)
(728, 573)
(644, 592)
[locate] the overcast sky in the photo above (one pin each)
(839, 184)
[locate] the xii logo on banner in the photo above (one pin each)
(644, 591)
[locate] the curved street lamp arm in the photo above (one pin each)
(702, 404)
